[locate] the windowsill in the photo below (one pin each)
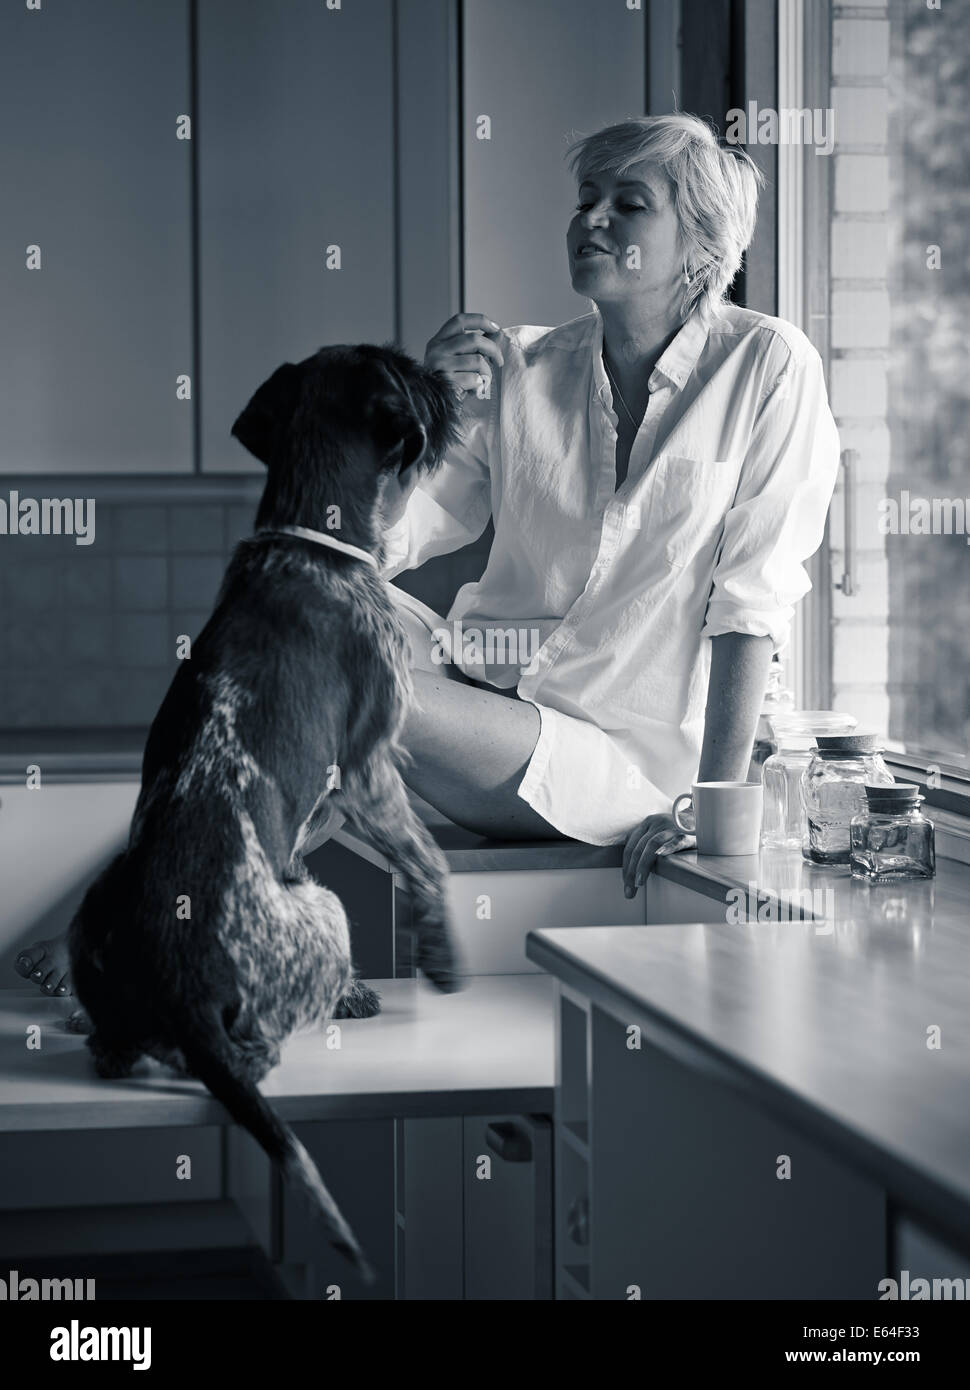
(948, 799)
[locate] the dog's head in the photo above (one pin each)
(336, 421)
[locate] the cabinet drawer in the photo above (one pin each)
(110, 1167)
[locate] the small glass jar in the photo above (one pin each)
(793, 737)
(890, 840)
(833, 792)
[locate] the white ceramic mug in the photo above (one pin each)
(726, 816)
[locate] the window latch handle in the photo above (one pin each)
(848, 462)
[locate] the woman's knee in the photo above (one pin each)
(426, 649)
(419, 639)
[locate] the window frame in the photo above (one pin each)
(803, 239)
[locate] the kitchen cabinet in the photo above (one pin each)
(669, 1185)
(474, 1208)
(447, 1207)
(754, 1111)
(496, 892)
(213, 189)
(95, 178)
(295, 194)
(917, 1253)
(356, 1161)
(89, 1168)
(398, 1117)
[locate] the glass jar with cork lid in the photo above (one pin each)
(833, 791)
(890, 840)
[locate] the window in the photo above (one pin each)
(897, 300)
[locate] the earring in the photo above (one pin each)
(686, 274)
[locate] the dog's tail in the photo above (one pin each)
(210, 1056)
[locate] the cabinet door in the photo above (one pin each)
(94, 176)
(295, 157)
(508, 1207)
(698, 1193)
(475, 1208)
(356, 1162)
(533, 73)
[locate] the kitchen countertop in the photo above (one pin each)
(822, 1024)
(782, 883)
(488, 1049)
(778, 877)
(467, 852)
(73, 755)
(103, 755)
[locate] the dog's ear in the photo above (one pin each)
(261, 427)
(394, 423)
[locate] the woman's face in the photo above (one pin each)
(624, 241)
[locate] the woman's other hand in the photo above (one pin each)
(463, 349)
(652, 839)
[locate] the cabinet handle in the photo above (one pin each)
(510, 1141)
(577, 1221)
(848, 459)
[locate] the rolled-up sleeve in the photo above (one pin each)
(777, 519)
(452, 507)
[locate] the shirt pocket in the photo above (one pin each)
(689, 501)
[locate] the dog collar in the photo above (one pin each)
(321, 538)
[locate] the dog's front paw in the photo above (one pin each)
(359, 1001)
(435, 957)
(78, 1022)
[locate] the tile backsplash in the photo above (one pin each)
(88, 633)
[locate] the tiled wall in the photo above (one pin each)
(88, 632)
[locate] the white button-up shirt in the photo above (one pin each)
(613, 594)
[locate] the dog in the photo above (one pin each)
(206, 944)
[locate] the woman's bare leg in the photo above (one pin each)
(469, 747)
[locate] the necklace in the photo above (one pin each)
(616, 388)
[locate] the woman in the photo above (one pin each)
(657, 471)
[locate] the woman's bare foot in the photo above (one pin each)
(47, 963)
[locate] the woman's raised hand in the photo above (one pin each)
(463, 349)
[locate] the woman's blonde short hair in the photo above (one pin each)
(714, 190)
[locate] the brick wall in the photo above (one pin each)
(859, 313)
